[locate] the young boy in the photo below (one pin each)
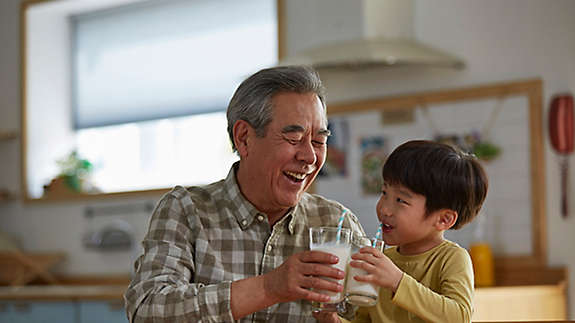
(428, 188)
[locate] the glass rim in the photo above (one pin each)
(328, 229)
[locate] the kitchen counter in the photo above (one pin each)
(531, 292)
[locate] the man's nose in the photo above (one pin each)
(306, 152)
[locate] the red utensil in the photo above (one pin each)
(561, 134)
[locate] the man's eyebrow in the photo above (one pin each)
(293, 128)
(297, 128)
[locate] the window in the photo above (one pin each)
(139, 88)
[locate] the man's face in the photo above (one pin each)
(282, 164)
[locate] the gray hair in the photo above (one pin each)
(252, 101)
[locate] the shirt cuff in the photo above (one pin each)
(215, 302)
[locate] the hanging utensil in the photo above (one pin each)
(561, 134)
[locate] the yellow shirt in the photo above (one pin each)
(437, 286)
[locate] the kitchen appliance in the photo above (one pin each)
(358, 34)
(561, 134)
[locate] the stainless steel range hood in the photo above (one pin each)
(377, 33)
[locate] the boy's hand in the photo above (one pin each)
(326, 317)
(381, 270)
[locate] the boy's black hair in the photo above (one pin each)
(446, 176)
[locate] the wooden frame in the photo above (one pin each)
(532, 90)
(24, 6)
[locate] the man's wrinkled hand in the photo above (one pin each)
(299, 277)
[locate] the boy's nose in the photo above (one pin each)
(385, 211)
(382, 212)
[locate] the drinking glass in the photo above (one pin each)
(356, 292)
(326, 239)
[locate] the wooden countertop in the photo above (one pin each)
(63, 292)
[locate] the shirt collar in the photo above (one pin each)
(245, 212)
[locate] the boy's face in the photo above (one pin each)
(402, 213)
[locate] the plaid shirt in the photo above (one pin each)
(201, 239)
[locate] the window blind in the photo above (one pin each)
(168, 58)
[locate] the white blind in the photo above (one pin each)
(167, 58)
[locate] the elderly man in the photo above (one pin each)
(238, 249)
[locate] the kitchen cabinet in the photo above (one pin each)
(90, 303)
(102, 311)
(62, 312)
(37, 312)
(525, 292)
(520, 303)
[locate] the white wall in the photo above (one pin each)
(506, 214)
(499, 40)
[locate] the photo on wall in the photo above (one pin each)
(374, 151)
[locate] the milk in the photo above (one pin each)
(356, 292)
(360, 293)
(343, 252)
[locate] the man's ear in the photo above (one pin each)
(241, 137)
(446, 219)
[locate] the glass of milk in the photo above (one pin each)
(325, 239)
(356, 292)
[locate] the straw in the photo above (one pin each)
(339, 225)
(377, 235)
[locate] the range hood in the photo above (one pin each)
(358, 34)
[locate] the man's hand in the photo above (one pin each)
(301, 272)
(381, 270)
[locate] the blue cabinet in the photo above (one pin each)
(62, 312)
(37, 312)
(102, 311)
(6, 312)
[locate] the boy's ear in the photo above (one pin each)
(446, 219)
(241, 137)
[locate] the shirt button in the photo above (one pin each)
(269, 248)
(260, 218)
(244, 222)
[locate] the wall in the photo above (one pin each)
(506, 213)
(499, 40)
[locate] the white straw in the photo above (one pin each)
(340, 225)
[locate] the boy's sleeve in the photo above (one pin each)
(454, 301)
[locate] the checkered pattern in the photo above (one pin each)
(201, 239)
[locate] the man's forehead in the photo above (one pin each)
(293, 112)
